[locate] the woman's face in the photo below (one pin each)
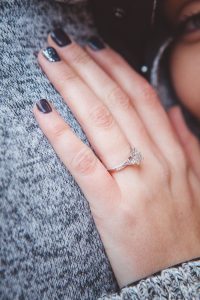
(185, 57)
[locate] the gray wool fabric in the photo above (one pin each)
(49, 245)
(174, 283)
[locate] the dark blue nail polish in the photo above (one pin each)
(44, 106)
(50, 54)
(95, 43)
(60, 37)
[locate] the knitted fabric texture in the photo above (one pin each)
(173, 283)
(49, 245)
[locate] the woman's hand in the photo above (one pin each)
(147, 215)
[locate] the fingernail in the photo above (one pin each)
(44, 106)
(96, 43)
(60, 37)
(50, 54)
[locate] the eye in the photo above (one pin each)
(189, 25)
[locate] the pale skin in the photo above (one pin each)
(147, 216)
(185, 58)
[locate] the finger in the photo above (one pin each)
(106, 89)
(144, 100)
(187, 139)
(96, 183)
(98, 123)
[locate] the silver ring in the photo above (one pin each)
(135, 158)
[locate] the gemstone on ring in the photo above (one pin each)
(135, 158)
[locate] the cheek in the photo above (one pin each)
(185, 74)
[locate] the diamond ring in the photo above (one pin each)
(135, 158)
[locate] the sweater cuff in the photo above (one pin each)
(181, 281)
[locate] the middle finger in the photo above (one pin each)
(106, 89)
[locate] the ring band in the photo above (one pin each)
(135, 158)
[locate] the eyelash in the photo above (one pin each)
(182, 26)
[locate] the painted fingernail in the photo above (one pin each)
(96, 44)
(60, 37)
(44, 106)
(50, 54)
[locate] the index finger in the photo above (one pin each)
(98, 186)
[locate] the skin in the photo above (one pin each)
(172, 9)
(140, 212)
(185, 56)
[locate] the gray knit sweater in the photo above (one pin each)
(49, 245)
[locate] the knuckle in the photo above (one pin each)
(59, 131)
(101, 117)
(84, 162)
(68, 76)
(149, 94)
(118, 98)
(80, 57)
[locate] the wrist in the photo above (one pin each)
(177, 266)
(152, 265)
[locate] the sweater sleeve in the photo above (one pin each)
(179, 282)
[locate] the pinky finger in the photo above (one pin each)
(95, 181)
(189, 142)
